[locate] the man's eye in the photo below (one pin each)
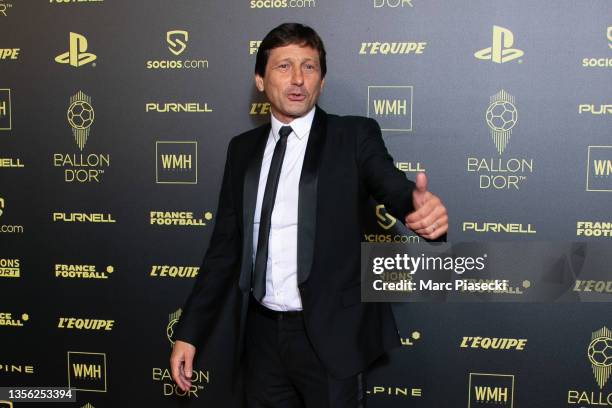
(283, 66)
(309, 67)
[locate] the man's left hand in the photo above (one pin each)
(429, 218)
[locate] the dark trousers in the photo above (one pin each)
(283, 370)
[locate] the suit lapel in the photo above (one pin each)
(249, 200)
(307, 201)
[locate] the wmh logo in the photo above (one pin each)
(5, 109)
(391, 106)
(599, 168)
(176, 162)
(491, 390)
(602, 168)
(87, 371)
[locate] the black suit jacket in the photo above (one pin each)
(345, 163)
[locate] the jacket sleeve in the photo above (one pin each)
(219, 268)
(382, 179)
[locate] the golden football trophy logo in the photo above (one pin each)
(76, 55)
(501, 49)
(600, 355)
(384, 219)
(80, 117)
(501, 117)
(173, 319)
(177, 40)
(1, 206)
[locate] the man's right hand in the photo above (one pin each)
(181, 364)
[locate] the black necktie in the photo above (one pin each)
(261, 256)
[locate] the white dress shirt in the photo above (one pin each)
(282, 293)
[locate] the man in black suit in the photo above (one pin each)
(287, 240)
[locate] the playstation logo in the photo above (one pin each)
(76, 55)
(177, 41)
(501, 49)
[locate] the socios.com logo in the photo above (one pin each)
(177, 41)
(501, 49)
(384, 219)
(76, 56)
(283, 3)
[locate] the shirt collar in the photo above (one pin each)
(301, 126)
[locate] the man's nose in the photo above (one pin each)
(297, 78)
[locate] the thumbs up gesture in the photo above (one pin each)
(429, 218)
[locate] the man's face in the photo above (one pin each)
(292, 81)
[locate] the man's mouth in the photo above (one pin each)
(296, 96)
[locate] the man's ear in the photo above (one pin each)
(259, 83)
(322, 83)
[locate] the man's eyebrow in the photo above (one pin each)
(281, 60)
(309, 59)
(290, 59)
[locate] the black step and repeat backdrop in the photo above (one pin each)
(114, 121)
